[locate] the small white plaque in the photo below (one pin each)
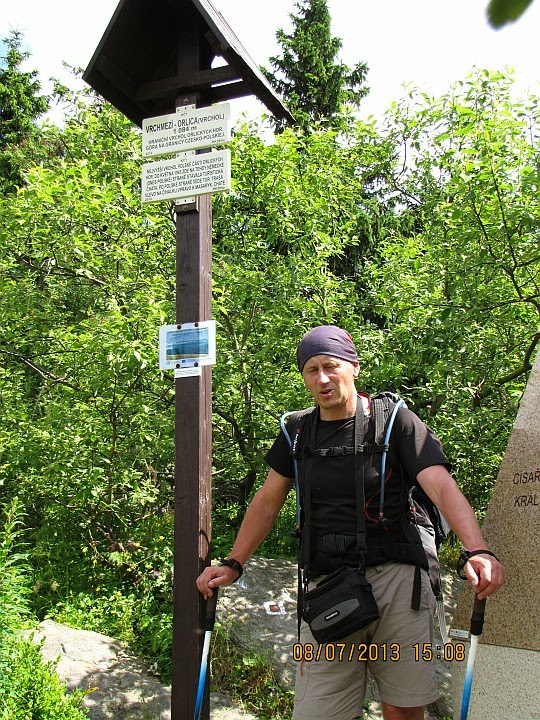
(187, 372)
(460, 634)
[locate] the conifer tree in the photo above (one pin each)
(313, 82)
(20, 106)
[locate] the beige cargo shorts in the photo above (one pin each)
(331, 679)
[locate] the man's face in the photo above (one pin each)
(331, 383)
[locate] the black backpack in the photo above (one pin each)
(421, 521)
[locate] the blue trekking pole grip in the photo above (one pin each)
(477, 625)
(209, 622)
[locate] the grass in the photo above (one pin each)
(249, 680)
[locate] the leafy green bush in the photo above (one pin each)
(13, 569)
(110, 614)
(29, 688)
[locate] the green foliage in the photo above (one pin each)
(111, 614)
(313, 83)
(502, 12)
(461, 294)
(20, 106)
(29, 688)
(85, 407)
(13, 571)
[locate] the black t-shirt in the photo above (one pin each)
(413, 447)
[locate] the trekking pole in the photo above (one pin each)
(477, 624)
(209, 622)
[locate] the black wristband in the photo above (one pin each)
(235, 565)
(466, 555)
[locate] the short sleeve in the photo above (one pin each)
(418, 446)
(279, 457)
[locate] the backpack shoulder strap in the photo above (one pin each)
(382, 405)
(292, 424)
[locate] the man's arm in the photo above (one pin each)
(258, 521)
(484, 572)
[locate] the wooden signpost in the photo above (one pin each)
(154, 58)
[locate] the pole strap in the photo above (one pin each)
(466, 555)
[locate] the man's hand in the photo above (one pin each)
(485, 573)
(215, 576)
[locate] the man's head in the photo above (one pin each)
(326, 340)
(327, 359)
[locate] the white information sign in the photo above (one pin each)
(186, 176)
(187, 345)
(190, 130)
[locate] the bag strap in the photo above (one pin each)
(293, 444)
(305, 555)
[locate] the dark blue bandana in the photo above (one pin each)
(326, 340)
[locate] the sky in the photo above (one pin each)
(428, 43)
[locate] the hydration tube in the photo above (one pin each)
(296, 481)
(399, 404)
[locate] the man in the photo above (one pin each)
(329, 689)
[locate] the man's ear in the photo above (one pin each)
(356, 370)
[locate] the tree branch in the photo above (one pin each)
(40, 370)
(526, 362)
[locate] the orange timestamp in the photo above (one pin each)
(346, 652)
(448, 651)
(372, 652)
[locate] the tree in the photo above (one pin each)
(295, 210)
(461, 290)
(20, 107)
(84, 286)
(313, 83)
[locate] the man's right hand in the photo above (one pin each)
(215, 576)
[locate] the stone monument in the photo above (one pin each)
(507, 669)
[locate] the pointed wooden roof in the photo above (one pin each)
(154, 51)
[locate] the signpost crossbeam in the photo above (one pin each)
(194, 81)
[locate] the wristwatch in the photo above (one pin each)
(235, 565)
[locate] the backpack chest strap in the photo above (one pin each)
(367, 448)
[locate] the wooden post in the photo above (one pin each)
(193, 438)
(193, 421)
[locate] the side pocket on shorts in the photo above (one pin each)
(302, 680)
(427, 598)
(303, 666)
